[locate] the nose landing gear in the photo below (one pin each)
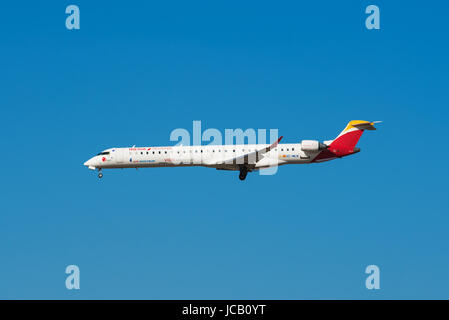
(100, 175)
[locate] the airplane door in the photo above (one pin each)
(119, 156)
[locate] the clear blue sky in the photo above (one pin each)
(137, 70)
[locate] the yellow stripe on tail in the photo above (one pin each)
(361, 125)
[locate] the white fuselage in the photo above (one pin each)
(244, 158)
(216, 156)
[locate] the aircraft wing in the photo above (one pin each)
(250, 157)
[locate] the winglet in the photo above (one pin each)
(274, 145)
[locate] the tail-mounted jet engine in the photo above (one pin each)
(312, 145)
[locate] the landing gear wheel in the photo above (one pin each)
(100, 175)
(243, 173)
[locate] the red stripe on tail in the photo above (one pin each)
(345, 144)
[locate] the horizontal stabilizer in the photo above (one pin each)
(366, 125)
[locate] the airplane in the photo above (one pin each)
(242, 158)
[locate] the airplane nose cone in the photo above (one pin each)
(89, 162)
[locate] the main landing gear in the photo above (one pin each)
(243, 172)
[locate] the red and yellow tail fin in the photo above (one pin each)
(346, 141)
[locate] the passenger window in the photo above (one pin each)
(293, 149)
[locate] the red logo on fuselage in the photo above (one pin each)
(103, 159)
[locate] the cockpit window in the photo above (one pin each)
(103, 153)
